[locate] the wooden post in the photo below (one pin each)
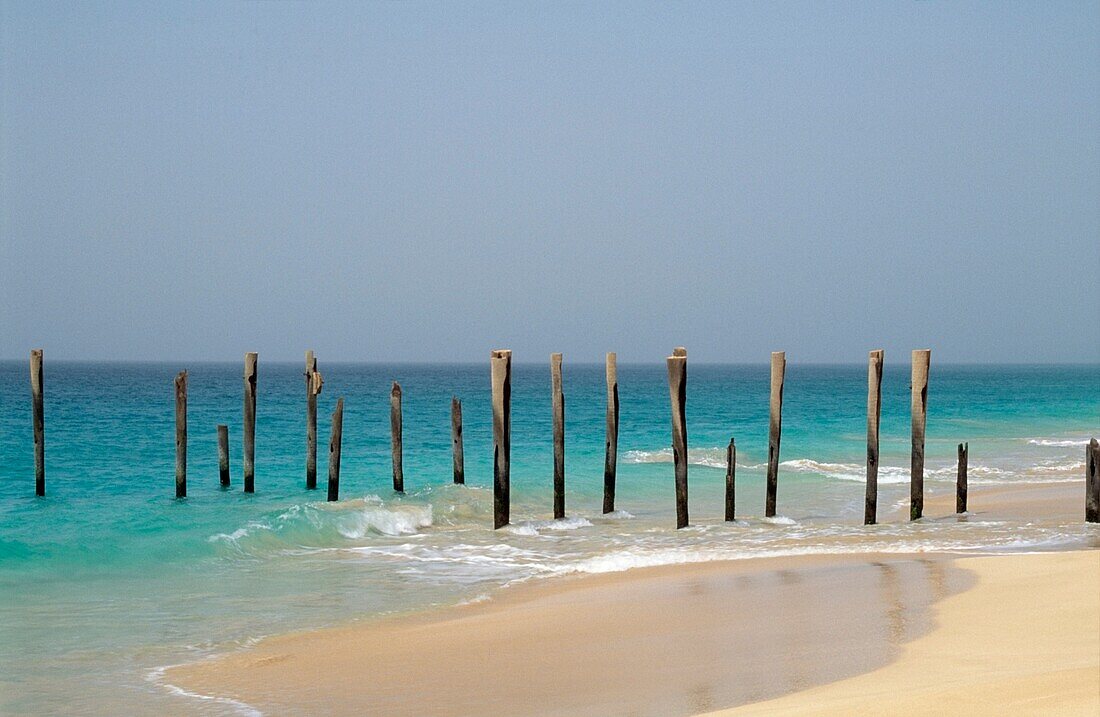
(611, 445)
(775, 428)
(395, 438)
(677, 394)
(874, 413)
(731, 479)
(223, 455)
(334, 451)
(1092, 482)
(314, 381)
(250, 422)
(557, 401)
(456, 441)
(960, 481)
(39, 423)
(181, 435)
(500, 362)
(918, 414)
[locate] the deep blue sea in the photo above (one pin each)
(109, 578)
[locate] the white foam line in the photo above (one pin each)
(156, 675)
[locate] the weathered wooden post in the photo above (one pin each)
(919, 414)
(874, 413)
(557, 402)
(396, 451)
(456, 441)
(250, 422)
(223, 455)
(181, 435)
(677, 394)
(775, 428)
(960, 480)
(314, 382)
(731, 479)
(611, 452)
(39, 423)
(334, 451)
(500, 362)
(1092, 482)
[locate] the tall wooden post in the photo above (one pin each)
(611, 446)
(181, 435)
(456, 441)
(314, 381)
(223, 455)
(918, 414)
(250, 422)
(39, 423)
(557, 401)
(874, 413)
(731, 479)
(396, 450)
(677, 394)
(334, 451)
(1092, 482)
(500, 362)
(960, 480)
(775, 428)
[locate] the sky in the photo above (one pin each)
(430, 181)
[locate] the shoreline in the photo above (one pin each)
(355, 668)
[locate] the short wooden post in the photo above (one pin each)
(557, 402)
(918, 415)
(960, 480)
(39, 423)
(181, 435)
(677, 394)
(223, 455)
(456, 441)
(501, 371)
(874, 414)
(314, 382)
(731, 479)
(611, 446)
(396, 451)
(334, 451)
(775, 428)
(1092, 482)
(250, 422)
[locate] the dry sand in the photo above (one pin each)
(853, 634)
(1025, 640)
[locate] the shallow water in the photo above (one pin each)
(109, 576)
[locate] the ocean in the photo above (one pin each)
(109, 578)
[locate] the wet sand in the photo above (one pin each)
(674, 640)
(690, 639)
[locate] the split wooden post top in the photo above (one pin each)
(314, 382)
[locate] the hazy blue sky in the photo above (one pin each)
(408, 181)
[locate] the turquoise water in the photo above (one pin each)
(109, 577)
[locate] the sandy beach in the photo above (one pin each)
(833, 634)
